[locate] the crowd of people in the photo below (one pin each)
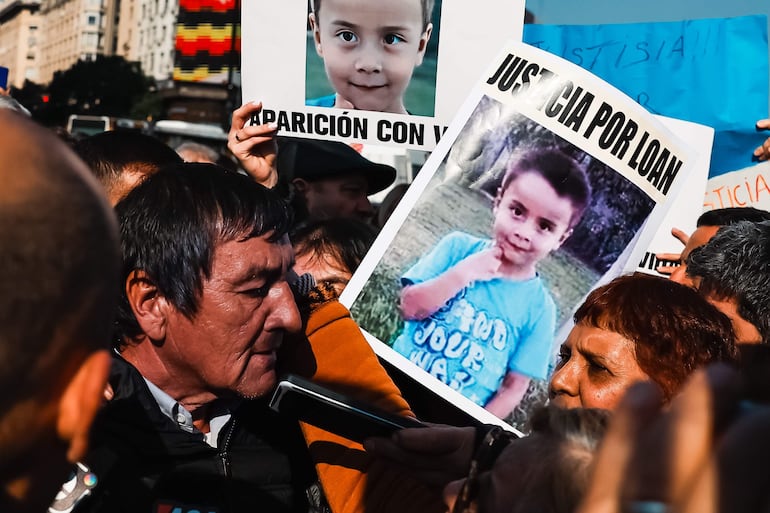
(151, 298)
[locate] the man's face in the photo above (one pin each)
(337, 197)
(531, 220)
(370, 49)
(745, 332)
(245, 308)
(698, 238)
(595, 369)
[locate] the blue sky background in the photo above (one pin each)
(589, 12)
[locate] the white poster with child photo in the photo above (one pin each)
(542, 189)
(368, 71)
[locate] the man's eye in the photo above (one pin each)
(597, 368)
(392, 39)
(564, 355)
(517, 211)
(347, 36)
(546, 227)
(257, 292)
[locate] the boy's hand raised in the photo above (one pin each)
(484, 265)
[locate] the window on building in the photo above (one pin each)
(92, 19)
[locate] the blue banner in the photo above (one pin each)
(711, 71)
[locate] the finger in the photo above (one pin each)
(763, 124)
(611, 465)
(741, 466)
(669, 257)
(677, 446)
(763, 152)
(260, 133)
(681, 235)
(666, 270)
(242, 115)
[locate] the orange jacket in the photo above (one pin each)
(336, 354)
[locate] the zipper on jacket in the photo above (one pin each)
(224, 455)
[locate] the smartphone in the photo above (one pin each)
(3, 77)
(335, 412)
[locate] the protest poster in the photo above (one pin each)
(708, 71)
(747, 187)
(687, 206)
(528, 102)
(281, 66)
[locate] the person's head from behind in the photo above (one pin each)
(637, 328)
(59, 260)
(541, 198)
(731, 271)
(191, 151)
(206, 256)
(707, 226)
(121, 159)
(331, 180)
(547, 471)
(331, 250)
(370, 48)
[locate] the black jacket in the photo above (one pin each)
(145, 463)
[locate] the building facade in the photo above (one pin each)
(19, 38)
(75, 30)
(146, 34)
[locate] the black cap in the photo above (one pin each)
(312, 160)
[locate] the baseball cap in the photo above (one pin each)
(312, 160)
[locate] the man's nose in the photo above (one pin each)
(364, 207)
(284, 313)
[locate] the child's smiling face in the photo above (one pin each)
(531, 220)
(370, 49)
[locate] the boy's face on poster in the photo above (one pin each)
(531, 220)
(370, 49)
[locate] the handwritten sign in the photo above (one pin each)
(713, 72)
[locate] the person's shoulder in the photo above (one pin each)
(323, 101)
(466, 239)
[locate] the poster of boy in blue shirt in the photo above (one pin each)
(477, 315)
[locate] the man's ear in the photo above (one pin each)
(80, 401)
(149, 306)
(301, 185)
(316, 34)
(424, 38)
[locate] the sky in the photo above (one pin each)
(589, 12)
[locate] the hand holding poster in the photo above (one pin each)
(369, 71)
(537, 192)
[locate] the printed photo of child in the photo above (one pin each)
(477, 315)
(484, 267)
(370, 50)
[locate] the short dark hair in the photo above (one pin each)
(427, 10)
(59, 260)
(674, 329)
(172, 223)
(732, 215)
(111, 154)
(733, 265)
(561, 171)
(343, 240)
